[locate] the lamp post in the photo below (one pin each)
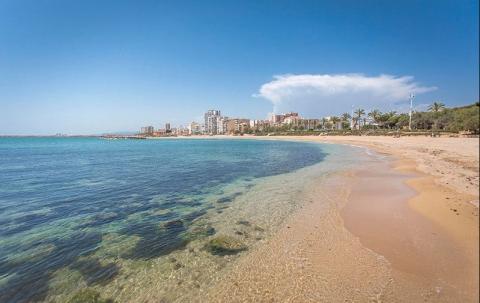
(412, 96)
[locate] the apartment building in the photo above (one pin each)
(211, 121)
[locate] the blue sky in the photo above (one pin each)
(100, 66)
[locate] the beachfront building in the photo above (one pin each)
(167, 127)
(161, 132)
(306, 124)
(260, 125)
(291, 118)
(148, 130)
(181, 131)
(211, 121)
(309, 124)
(331, 122)
(222, 125)
(235, 126)
(194, 128)
(291, 114)
(277, 119)
(288, 118)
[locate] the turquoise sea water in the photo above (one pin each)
(87, 208)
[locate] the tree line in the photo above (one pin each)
(437, 118)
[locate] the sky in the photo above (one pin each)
(90, 67)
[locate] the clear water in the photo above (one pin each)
(95, 211)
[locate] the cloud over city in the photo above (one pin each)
(325, 93)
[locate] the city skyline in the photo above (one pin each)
(92, 68)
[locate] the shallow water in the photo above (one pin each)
(130, 218)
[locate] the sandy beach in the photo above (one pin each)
(400, 230)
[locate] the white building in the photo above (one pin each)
(147, 130)
(211, 121)
(222, 125)
(194, 128)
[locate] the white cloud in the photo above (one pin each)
(322, 94)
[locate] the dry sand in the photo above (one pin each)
(404, 231)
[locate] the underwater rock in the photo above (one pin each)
(100, 219)
(224, 200)
(194, 215)
(229, 198)
(258, 228)
(155, 241)
(87, 295)
(30, 281)
(243, 222)
(200, 231)
(94, 272)
(225, 245)
(241, 233)
(173, 224)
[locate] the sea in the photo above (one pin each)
(133, 220)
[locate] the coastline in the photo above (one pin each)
(366, 225)
(421, 247)
(248, 211)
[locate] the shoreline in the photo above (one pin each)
(431, 260)
(443, 173)
(437, 221)
(381, 220)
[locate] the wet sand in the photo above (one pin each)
(428, 262)
(394, 231)
(311, 259)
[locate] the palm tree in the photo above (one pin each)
(391, 118)
(346, 116)
(375, 115)
(358, 115)
(335, 120)
(436, 107)
(324, 121)
(346, 119)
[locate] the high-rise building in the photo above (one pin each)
(211, 121)
(147, 130)
(277, 118)
(167, 126)
(222, 125)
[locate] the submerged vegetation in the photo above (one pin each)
(88, 295)
(225, 245)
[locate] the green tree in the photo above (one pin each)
(335, 120)
(375, 115)
(346, 120)
(436, 107)
(359, 113)
(324, 122)
(346, 117)
(402, 121)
